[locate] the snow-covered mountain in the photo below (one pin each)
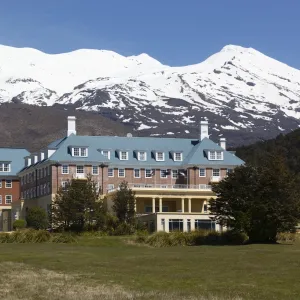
(243, 93)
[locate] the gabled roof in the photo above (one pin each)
(193, 151)
(16, 158)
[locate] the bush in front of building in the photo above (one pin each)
(36, 236)
(36, 218)
(19, 224)
(193, 238)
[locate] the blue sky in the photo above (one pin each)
(172, 31)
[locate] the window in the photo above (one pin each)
(215, 155)
(79, 169)
(65, 169)
(43, 174)
(106, 153)
(8, 199)
(163, 173)
(160, 156)
(8, 183)
(95, 170)
(205, 224)
(137, 173)
(80, 152)
(0, 199)
(149, 173)
(0, 183)
(39, 172)
(110, 172)
(174, 174)
(110, 187)
(202, 172)
(4, 167)
(121, 172)
(38, 191)
(48, 187)
(216, 173)
(64, 184)
(175, 225)
(177, 156)
(228, 171)
(142, 155)
(123, 155)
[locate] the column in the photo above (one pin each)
(182, 205)
(153, 205)
(167, 225)
(160, 204)
(190, 205)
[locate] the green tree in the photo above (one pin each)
(260, 201)
(78, 206)
(124, 204)
(36, 218)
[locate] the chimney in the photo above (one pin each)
(71, 125)
(223, 143)
(204, 130)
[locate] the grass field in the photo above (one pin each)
(113, 268)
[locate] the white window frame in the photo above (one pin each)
(0, 199)
(95, 173)
(175, 154)
(64, 183)
(175, 172)
(121, 155)
(121, 176)
(108, 172)
(110, 186)
(151, 171)
(5, 167)
(8, 184)
(79, 167)
(202, 170)
(62, 169)
(219, 172)
(145, 155)
(163, 173)
(80, 151)
(213, 155)
(157, 156)
(134, 174)
(108, 153)
(6, 199)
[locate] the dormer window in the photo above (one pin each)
(106, 153)
(79, 152)
(215, 155)
(4, 167)
(177, 156)
(160, 156)
(123, 155)
(142, 155)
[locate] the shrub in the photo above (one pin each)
(178, 238)
(159, 239)
(37, 218)
(63, 237)
(286, 237)
(124, 229)
(41, 236)
(233, 237)
(19, 224)
(213, 238)
(5, 238)
(141, 239)
(196, 238)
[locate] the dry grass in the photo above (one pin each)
(23, 282)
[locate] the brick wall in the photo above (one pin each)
(14, 191)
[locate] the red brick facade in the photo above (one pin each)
(9, 190)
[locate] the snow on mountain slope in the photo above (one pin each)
(244, 93)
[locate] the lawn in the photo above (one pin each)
(113, 268)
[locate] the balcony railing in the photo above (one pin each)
(169, 186)
(80, 176)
